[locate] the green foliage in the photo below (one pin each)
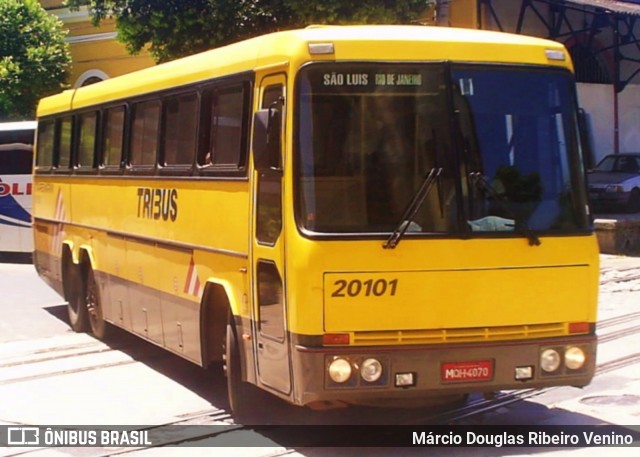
(175, 28)
(34, 57)
(356, 11)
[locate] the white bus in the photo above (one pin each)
(16, 161)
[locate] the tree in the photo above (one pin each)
(176, 28)
(34, 57)
(356, 11)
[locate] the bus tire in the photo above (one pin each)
(93, 305)
(74, 294)
(241, 395)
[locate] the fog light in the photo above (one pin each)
(404, 380)
(524, 373)
(371, 370)
(549, 360)
(340, 370)
(574, 358)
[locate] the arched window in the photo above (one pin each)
(92, 80)
(90, 77)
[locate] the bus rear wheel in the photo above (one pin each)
(74, 295)
(93, 305)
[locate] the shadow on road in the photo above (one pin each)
(210, 384)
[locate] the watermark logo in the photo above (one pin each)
(21, 436)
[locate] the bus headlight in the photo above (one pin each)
(371, 370)
(549, 360)
(574, 358)
(340, 370)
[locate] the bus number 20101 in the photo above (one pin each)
(369, 287)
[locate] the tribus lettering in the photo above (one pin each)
(157, 203)
(14, 189)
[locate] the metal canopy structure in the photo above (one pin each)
(603, 36)
(613, 5)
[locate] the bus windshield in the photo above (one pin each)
(503, 140)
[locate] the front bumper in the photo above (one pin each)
(492, 367)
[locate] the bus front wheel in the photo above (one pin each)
(242, 396)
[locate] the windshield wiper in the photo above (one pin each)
(412, 209)
(482, 184)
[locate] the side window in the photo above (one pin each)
(269, 212)
(226, 118)
(271, 95)
(87, 124)
(180, 129)
(144, 133)
(227, 127)
(65, 143)
(270, 300)
(113, 128)
(46, 136)
(15, 159)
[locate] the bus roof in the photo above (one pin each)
(376, 43)
(20, 125)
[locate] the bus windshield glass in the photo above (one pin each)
(503, 139)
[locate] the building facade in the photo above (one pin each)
(96, 54)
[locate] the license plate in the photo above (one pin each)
(471, 371)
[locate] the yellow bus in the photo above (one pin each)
(356, 214)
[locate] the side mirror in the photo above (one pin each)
(267, 126)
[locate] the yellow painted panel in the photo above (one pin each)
(211, 214)
(469, 283)
(453, 299)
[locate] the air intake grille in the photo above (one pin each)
(465, 335)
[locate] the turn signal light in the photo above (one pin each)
(330, 339)
(578, 327)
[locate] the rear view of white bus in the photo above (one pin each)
(16, 161)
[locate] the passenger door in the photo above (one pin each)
(269, 308)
